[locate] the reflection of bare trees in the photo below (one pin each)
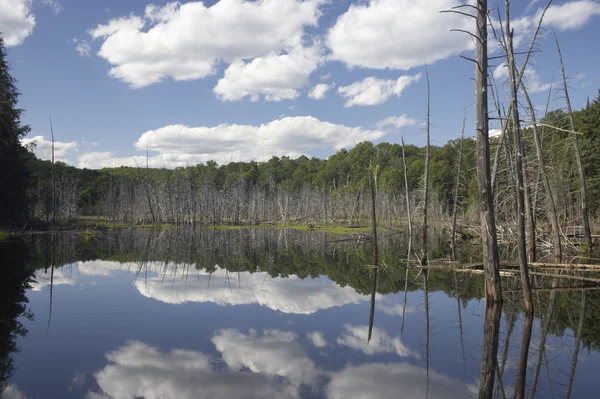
(577, 342)
(489, 354)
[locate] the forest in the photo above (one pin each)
(326, 191)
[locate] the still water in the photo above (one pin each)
(272, 314)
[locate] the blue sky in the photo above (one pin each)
(235, 80)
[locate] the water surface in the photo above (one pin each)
(270, 314)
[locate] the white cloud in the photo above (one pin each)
(12, 391)
(139, 370)
(374, 91)
(397, 121)
(570, 15)
(186, 41)
(501, 72)
(16, 21)
(397, 34)
(317, 339)
(54, 4)
(533, 82)
(42, 279)
(43, 148)
(495, 132)
(287, 295)
(274, 354)
(275, 76)
(319, 91)
(83, 48)
(183, 145)
(395, 309)
(356, 337)
(397, 381)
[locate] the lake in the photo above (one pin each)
(264, 313)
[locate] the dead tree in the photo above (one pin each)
(518, 147)
(584, 205)
(551, 207)
(53, 177)
(407, 201)
(491, 261)
(486, 196)
(456, 189)
(424, 260)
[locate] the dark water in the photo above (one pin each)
(272, 314)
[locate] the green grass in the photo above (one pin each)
(4, 235)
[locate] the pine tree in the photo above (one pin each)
(13, 156)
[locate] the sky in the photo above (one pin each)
(235, 80)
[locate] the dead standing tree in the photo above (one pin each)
(584, 205)
(519, 150)
(425, 258)
(491, 260)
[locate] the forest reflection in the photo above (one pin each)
(303, 273)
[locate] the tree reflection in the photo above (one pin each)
(14, 280)
(489, 353)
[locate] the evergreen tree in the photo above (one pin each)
(13, 156)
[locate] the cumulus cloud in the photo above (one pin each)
(395, 380)
(374, 91)
(16, 21)
(317, 339)
(356, 337)
(274, 76)
(274, 354)
(570, 15)
(319, 91)
(396, 121)
(186, 41)
(397, 34)
(42, 148)
(139, 370)
(180, 145)
(287, 295)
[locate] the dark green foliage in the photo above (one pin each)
(13, 156)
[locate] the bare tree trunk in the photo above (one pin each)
(518, 144)
(584, 205)
(519, 81)
(456, 189)
(486, 196)
(407, 201)
(531, 222)
(425, 259)
(53, 178)
(551, 208)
